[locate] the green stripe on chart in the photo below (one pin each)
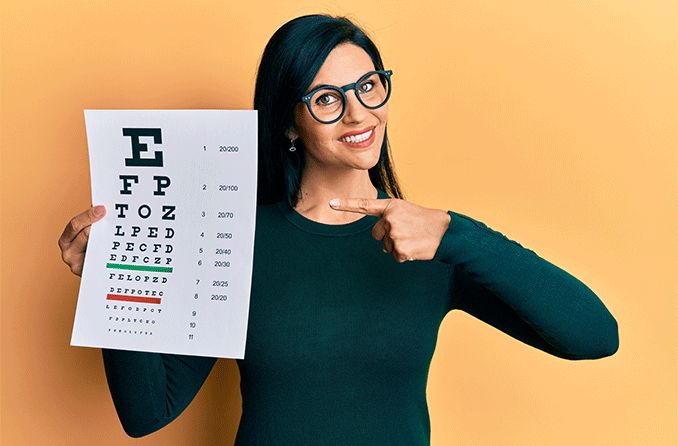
(157, 269)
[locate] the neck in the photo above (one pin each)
(315, 193)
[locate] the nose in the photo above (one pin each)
(355, 111)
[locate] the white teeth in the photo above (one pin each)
(358, 138)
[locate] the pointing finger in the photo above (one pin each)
(368, 206)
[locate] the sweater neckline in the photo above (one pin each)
(315, 227)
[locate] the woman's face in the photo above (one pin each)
(345, 64)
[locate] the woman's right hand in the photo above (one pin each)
(73, 241)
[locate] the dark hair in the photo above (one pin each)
(288, 65)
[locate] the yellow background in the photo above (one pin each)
(553, 122)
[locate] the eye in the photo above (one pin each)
(323, 99)
(367, 83)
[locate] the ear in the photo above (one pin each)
(291, 134)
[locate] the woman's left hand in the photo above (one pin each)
(409, 231)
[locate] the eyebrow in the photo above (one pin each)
(324, 83)
(313, 87)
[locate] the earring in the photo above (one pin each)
(292, 149)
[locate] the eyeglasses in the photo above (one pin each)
(327, 103)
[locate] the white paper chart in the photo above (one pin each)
(169, 267)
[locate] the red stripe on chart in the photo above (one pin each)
(148, 300)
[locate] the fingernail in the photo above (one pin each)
(334, 202)
(99, 211)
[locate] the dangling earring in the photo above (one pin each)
(292, 149)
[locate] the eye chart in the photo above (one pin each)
(168, 269)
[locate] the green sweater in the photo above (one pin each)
(340, 335)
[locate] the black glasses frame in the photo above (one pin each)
(342, 90)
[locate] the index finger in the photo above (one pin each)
(368, 206)
(78, 223)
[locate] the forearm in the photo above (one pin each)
(560, 308)
(149, 390)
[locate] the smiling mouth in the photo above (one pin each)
(358, 138)
(361, 141)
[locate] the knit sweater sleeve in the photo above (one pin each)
(149, 390)
(510, 287)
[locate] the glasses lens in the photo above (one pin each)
(373, 90)
(327, 104)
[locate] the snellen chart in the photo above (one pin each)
(168, 269)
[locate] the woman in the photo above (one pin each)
(341, 332)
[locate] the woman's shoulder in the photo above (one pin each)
(267, 212)
(263, 208)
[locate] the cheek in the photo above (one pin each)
(322, 134)
(318, 135)
(383, 114)
(383, 118)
